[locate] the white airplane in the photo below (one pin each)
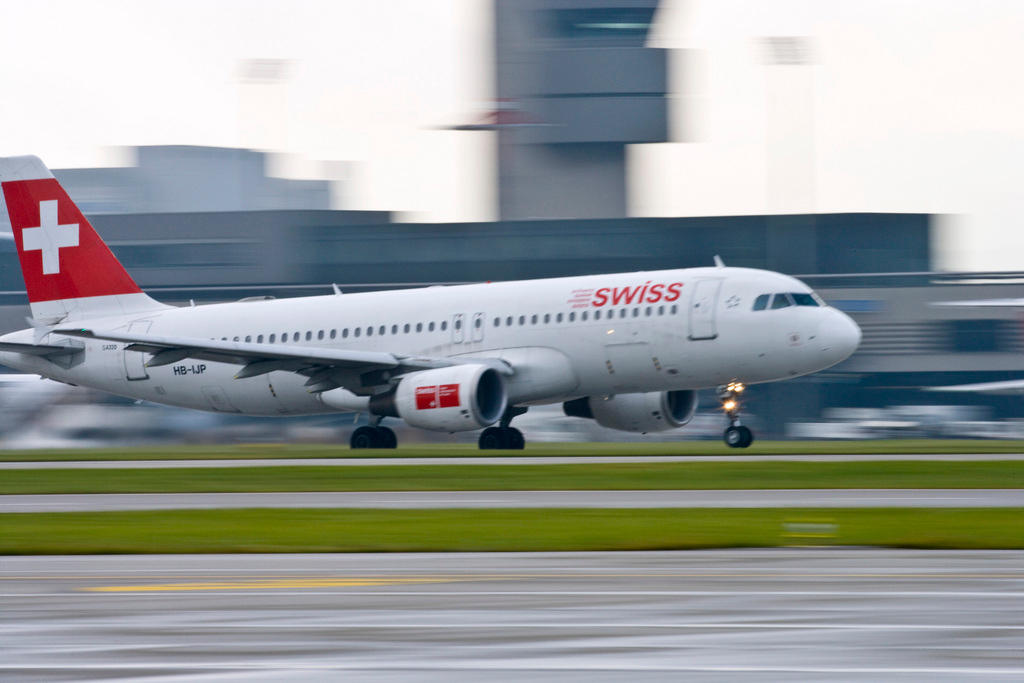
(628, 350)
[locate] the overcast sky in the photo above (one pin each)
(903, 106)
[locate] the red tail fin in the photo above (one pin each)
(67, 267)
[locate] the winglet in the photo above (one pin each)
(718, 262)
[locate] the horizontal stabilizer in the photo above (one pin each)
(43, 350)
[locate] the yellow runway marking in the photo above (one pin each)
(268, 584)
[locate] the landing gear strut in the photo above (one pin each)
(503, 437)
(373, 436)
(736, 435)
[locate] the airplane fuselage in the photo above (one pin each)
(570, 337)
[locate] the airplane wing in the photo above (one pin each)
(1011, 387)
(357, 371)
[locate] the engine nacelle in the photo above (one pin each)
(455, 399)
(650, 412)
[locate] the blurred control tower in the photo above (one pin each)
(577, 72)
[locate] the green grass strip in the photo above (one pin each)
(246, 451)
(360, 530)
(900, 474)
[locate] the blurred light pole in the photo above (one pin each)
(789, 124)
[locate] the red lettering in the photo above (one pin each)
(601, 297)
(673, 291)
(618, 294)
(643, 292)
(654, 296)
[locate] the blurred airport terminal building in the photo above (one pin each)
(578, 85)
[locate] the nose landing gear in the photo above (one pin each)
(736, 435)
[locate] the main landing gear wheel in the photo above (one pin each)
(501, 439)
(373, 437)
(736, 435)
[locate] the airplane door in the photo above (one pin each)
(135, 361)
(703, 302)
(477, 331)
(458, 328)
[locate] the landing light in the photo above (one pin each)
(729, 405)
(735, 387)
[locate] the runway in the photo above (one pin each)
(766, 615)
(750, 498)
(495, 460)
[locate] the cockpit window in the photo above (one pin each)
(781, 301)
(804, 299)
(761, 302)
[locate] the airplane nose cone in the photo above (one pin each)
(840, 337)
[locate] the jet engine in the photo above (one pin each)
(455, 399)
(650, 412)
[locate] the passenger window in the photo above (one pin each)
(497, 322)
(419, 327)
(382, 330)
(597, 315)
(674, 309)
(236, 339)
(357, 331)
(259, 339)
(533, 319)
(781, 301)
(273, 337)
(444, 325)
(522, 320)
(661, 310)
(394, 329)
(804, 299)
(547, 318)
(761, 302)
(344, 333)
(647, 311)
(572, 316)
(248, 338)
(458, 323)
(583, 316)
(369, 331)
(622, 312)
(430, 327)
(636, 312)
(558, 318)
(406, 328)
(477, 323)
(334, 334)
(508, 321)
(320, 334)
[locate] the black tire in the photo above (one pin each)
(492, 439)
(748, 437)
(734, 437)
(386, 438)
(364, 437)
(516, 442)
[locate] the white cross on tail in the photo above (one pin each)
(49, 237)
